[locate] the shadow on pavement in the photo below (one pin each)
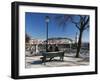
(36, 62)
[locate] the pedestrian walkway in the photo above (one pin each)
(69, 60)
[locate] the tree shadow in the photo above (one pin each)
(36, 62)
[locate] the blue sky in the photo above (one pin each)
(35, 26)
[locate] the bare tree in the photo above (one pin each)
(81, 22)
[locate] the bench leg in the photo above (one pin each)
(61, 58)
(51, 58)
(43, 60)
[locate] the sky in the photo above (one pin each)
(35, 27)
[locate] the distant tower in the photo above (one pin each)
(76, 39)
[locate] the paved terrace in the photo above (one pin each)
(69, 60)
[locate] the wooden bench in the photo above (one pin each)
(51, 55)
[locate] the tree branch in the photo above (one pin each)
(86, 22)
(76, 24)
(86, 27)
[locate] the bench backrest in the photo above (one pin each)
(53, 54)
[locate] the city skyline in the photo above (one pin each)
(35, 25)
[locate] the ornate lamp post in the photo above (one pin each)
(47, 19)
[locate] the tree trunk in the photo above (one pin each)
(79, 43)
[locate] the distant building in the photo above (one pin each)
(36, 41)
(60, 41)
(52, 41)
